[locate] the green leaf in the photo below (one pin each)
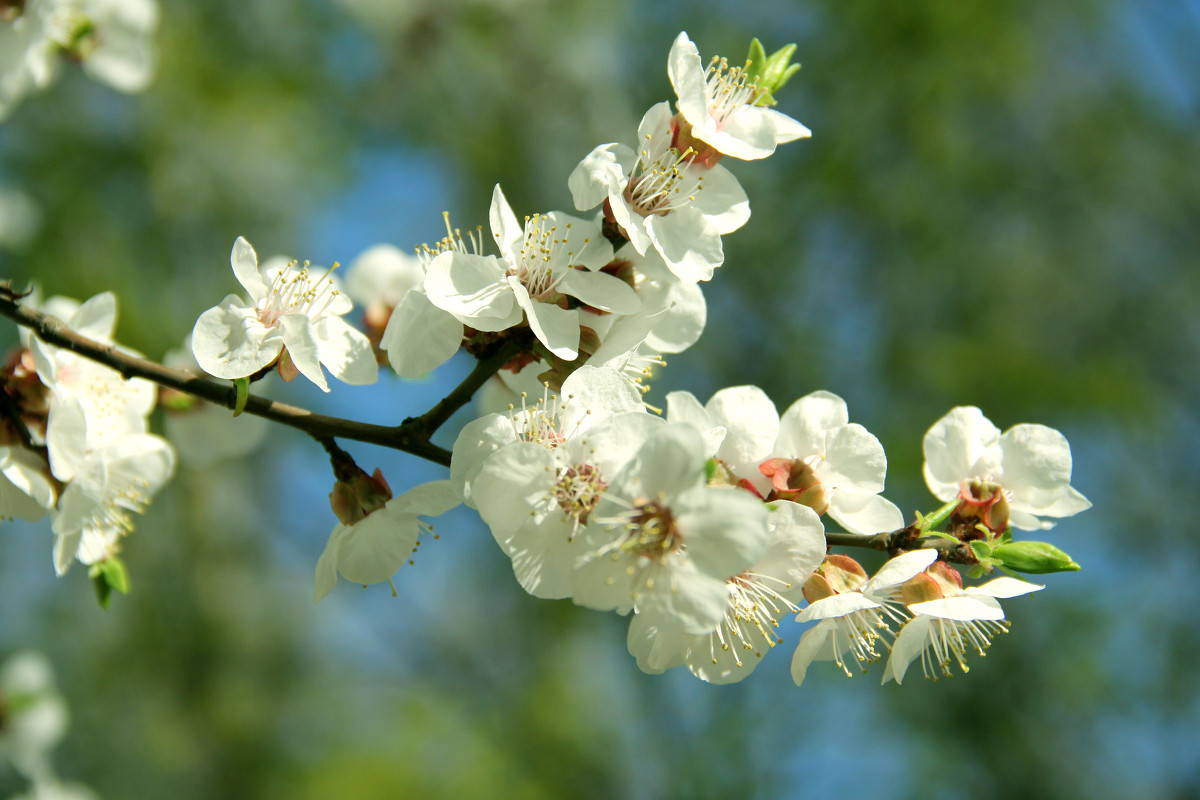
(108, 576)
(710, 470)
(242, 386)
(771, 71)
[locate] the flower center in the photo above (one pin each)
(664, 183)
(543, 250)
(296, 291)
(542, 423)
(578, 490)
(727, 89)
(652, 532)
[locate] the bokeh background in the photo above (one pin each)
(1000, 206)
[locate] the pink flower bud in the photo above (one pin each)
(357, 494)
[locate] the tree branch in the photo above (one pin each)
(409, 436)
(485, 368)
(905, 539)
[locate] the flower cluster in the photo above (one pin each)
(708, 524)
(111, 38)
(75, 443)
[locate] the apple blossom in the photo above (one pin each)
(292, 317)
(1027, 468)
(551, 258)
(756, 600)
(660, 199)
(370, 545)
(853, 611)
(948, 620)
(719, 104)
(662, 542)
(824, 460)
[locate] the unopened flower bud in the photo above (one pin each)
(836, 575)
(794, 479)
(938, 581)
(357, 494)
(1034, 557)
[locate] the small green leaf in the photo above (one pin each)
(982, 549)
(242, 386)
(772, 71)
(710, 470)
(108, 576)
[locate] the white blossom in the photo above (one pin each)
(853, 612)
(719, 102)
(945, 628)
(1030, 463)
(662, 542)
(832, 464)
(661, 200)
(542, 263)
(757, 600)
(371, 549)
(293, 315)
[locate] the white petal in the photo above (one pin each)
(803, 426)
(723, 200)
(419, 336)
(557, 328)
(96, 317)
(955, 447)
(228, 341)
(655, 643)
(599, 173)
(512, 484)
(786, 128)
(684, 408)
(686, 72)
(506, 230)
(601, 290)
(725, 529)
(899, 569)
(688, 242)
(862, 512)
(910, 643)
(679, 326)
(592, 394)
(326, 576)
(245, 268)
(688, 596)
(963, 607)
(473, 289)
(1005, 587)
(345, 352)
(814, 646)
(750, 420)
(838, 605)
(430, 499)
(854, 460)
(478, 439)
(374, 548)
(301, 342)
(1036, 467)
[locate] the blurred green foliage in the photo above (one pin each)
(998, 207)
